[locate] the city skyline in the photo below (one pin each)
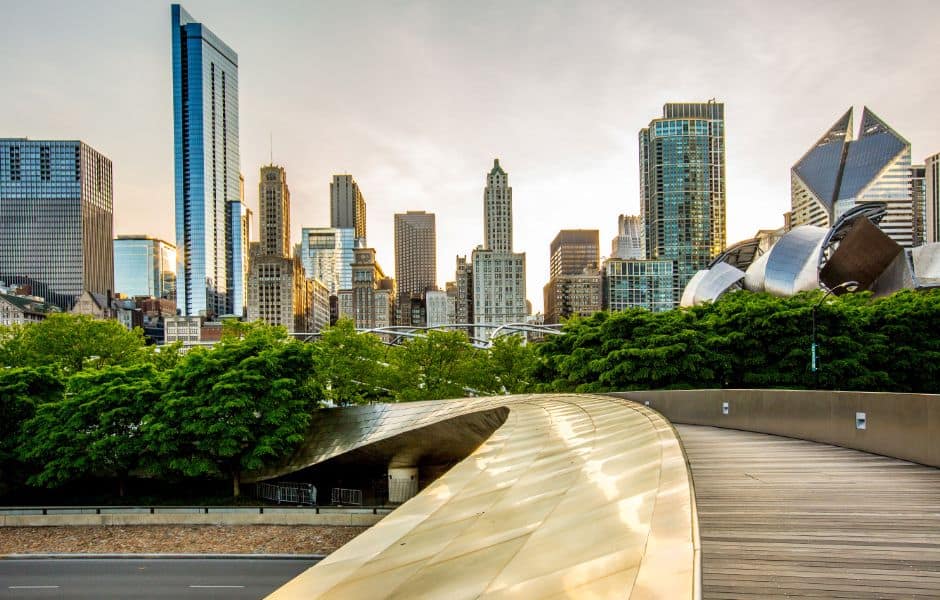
(417, 137)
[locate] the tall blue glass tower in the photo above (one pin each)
(682, 187)
(205, 119)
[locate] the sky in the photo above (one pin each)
(416, 99)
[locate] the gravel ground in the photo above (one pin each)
(261, 539)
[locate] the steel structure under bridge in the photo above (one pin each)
(397, 334)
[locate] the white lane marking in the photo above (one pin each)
(33, 587)
(216, 586)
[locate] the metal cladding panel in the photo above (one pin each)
(792, 263)
(717, 280)
(926, 260)
(740, 255)
(754, 276)
(866, 158)
(897, 276)
(863, 255)
(688, 294)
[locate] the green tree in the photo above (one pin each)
(94, 430)
(442, 364)
(21, 390)
(237, 407)
(511, 363)
(351, 365)
(74, 342)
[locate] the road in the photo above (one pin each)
(95, 578)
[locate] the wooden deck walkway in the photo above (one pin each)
(783, 518)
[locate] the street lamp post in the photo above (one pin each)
(849, 286)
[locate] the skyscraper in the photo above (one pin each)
(918, 204)
(415, 252)
(56, 219)
(144, 266)
(932, 199)
(464, 290)
(498, 272)
(327, 255)
(279, 292)
(682, 186)
(628, 243)
(574, 286)
(839, 173)
(347, 206)
(205, 117)
(238, 234)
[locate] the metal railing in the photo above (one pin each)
(162, 510)
(346, 496)
(291, 493)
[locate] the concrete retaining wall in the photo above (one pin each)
(232, 518)
(905, 426)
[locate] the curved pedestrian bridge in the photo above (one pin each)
(581, 496)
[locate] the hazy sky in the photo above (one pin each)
(415, 99)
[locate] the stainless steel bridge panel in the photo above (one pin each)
(792, 263)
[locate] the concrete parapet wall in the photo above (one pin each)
(905, 426)
(272, 518)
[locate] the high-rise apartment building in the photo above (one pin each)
(347, 206)
(415, 252)
(279, 292)
(238, 234)
(56, 219)
(628, 243)
(682, 186)
(144, 266)
(498, 272)
(205, 117)
(932, 198)
(839, 173)
(574, 286)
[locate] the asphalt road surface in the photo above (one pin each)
(95, 578)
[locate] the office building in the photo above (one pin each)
(238, 232)
(574, 286)
(464, 286)
(628, 243)
(839, 173)
(144, 266)
(932, 198)
(206, 162)
(415, 252)
(439, 306)
(918, 205)
(347, 206)
(682, 187)
(498, 272)
(279, 292)
(573, 251)
(56, 219)
(370, 301)
(648, 284)
(327, 255)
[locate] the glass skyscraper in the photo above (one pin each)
(639, 284)
(144, 266)
(205, 117)
(840, 172)
(56, 219)
(238, 234)
(682, 187)
(327, 254)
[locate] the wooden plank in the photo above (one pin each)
(788, 518)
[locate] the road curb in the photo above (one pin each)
(161, 555)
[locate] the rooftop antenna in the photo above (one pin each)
(271, 145)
